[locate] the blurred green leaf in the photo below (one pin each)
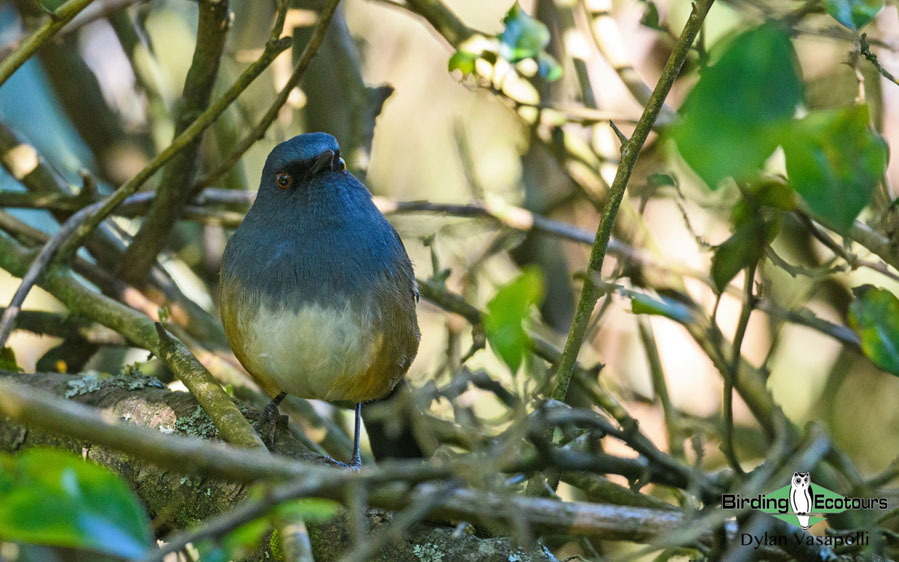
(506, 314)
(659, 180)
(316, 510)
(8, 360)
(242, 541)
(834, 160)
(51, 4)
(650, 17)
(874, 316)
(524, 37)
(854, 14)
(463, 61)
(549, 69)
(56, 498)
(744, 248)
(667, 307)
(775, 194)
(735, 115)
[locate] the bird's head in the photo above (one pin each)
(300, 164)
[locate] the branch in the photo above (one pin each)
(612, 45)
(176, 502)
(257, 132)
(630, 151)
(272, 49)
(865, 49)
(79, 226)
(209, 393)
(37, 267)
(175, 185)
(184, 455)
(48, 29)
(447, 24)
(67, 327)
(140, 330)
(160, 290)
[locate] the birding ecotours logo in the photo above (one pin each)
(800, 502)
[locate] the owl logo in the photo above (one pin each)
(800, 497)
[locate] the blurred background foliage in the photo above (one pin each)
(461, 124)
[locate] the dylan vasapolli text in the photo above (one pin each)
(758, 541)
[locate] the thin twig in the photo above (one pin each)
(60, 17)
(730, 378)
(419, 507)
(608, 39)
(630, 151)
(309, 52)
(79, 226)
(43, 259)
(213, 23)
(660, 386)
(865, 49)
(204, 120)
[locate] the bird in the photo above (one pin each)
(317, 292)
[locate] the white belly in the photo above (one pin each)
(317, 352)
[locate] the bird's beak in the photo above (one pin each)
(322, 161)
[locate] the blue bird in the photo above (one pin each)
(317, 292)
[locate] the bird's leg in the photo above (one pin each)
(356, 463)
(267, 421)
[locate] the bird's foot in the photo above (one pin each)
(267, 422)
(354, 465)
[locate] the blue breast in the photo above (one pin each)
(322, 244)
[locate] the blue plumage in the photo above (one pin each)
(321, 240)
(318, 294)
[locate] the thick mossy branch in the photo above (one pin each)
(388, 483)
(139, 329)
(176, 500)
(208, 392)
(173, 499)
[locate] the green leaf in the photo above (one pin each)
(315, 510)
(874, 316)
(506, 314)
(548, 68)
(8, 360)
(665, 306)
(660, 180)
(650, 17)
(463, 61)
(524, 37)
(854, 14)
(775, 194)
(58, 499)
(734, 116)
(744, 248)
(242, 541)
(834, 161)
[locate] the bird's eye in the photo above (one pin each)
(283, 180)
(340, 165)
